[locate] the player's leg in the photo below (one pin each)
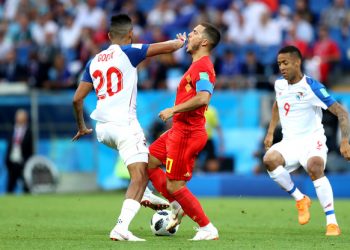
(315, 168)
(274, 162)
(131, 205)
(130, 142)
(192, 207)
(179, 168)
(157, 158)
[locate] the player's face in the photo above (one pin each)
(195, 39)
(288, 65)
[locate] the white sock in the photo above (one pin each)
(129, 210)
(282, 177)
(325, 196)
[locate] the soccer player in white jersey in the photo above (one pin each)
(298, 104)
(112, 74)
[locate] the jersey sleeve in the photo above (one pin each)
(204, 80)
(135, 52)
(86, 76)
(321, 96)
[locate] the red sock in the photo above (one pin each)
(158, 179)
(191, 206)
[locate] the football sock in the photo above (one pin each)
(191, 206)
(129, 210)
(325, 196)
(281, 176)
(158, 179)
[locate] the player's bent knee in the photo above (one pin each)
(272, 160)
(315, 170)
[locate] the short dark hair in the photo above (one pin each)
(292, 50)
(212, 33)
(121, 24)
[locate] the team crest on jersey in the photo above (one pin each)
(299, 96)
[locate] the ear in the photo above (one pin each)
(130, 34)
(205, 43)
(110, 36)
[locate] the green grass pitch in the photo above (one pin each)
(83, 221)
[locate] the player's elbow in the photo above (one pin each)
(77, 101)
(203, 100)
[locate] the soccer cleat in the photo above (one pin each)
(206, 234)
(303, 210)
(176, 216)
(120, 235)
(153, 201)
(332, 230)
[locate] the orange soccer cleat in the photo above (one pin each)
(303, 210)
(332, 230)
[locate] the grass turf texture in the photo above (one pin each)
(83, 221)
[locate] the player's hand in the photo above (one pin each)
(345, 149)
(182, 37)
(166, 114)
(268, 141)
(81, 133)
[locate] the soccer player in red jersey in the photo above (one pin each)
(178, 147)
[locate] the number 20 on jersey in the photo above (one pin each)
(116, 85)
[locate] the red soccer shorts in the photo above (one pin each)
(177, 150)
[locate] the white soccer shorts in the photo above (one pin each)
(298, 151)
(129, 140)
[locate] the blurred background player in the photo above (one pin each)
(210, 153)
(298, 104)
(19, 149)
(113, 75)
(178, 147)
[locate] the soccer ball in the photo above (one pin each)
(159, 222)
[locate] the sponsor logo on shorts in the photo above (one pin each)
(188, 174)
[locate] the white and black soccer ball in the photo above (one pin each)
(159, 222)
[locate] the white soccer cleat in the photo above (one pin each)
(176, 215)
(153, 201)
(206, 234)
(121, 235)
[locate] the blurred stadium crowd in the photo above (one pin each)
(46, 43)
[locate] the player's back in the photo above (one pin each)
(114, 76)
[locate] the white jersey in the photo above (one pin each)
(299, 107)
(114, 76)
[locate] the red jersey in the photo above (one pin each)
(194, 119)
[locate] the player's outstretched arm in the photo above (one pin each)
(343, 118)
(167, 46)
(272, 126)
(200, 99)
(83, 90)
